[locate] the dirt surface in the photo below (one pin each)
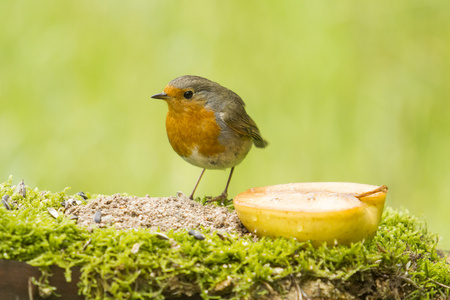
(164, 213)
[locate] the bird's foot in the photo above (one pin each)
(182, 195)
(222, 198)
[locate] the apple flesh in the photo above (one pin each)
(331, 212)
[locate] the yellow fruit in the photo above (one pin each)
(329, 212)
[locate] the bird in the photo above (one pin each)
(208, 126)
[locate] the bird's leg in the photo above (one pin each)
(224, 194)
(195, 187)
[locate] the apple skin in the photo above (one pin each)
(358, 220)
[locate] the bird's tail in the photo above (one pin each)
(258, 140)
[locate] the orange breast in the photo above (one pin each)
(190, 127)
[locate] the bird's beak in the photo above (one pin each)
(162, 96)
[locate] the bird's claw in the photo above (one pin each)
(222, 197)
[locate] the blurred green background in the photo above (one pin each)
(343, 91)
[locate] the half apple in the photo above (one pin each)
(331, 212)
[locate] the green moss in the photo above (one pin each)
(402, 257)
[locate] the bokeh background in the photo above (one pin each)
(343, 91)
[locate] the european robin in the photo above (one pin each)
(207, 125)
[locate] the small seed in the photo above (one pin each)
(135, 248)
(222, 236)
(196, 235)
(73, 217)
(5, 202)
(69, 203)
(53, 212)
(82, 195)
(20, 189)
(86, 244)
(181, 195)
(98, 216)
(162, 236)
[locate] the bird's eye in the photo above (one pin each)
(188, 94)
